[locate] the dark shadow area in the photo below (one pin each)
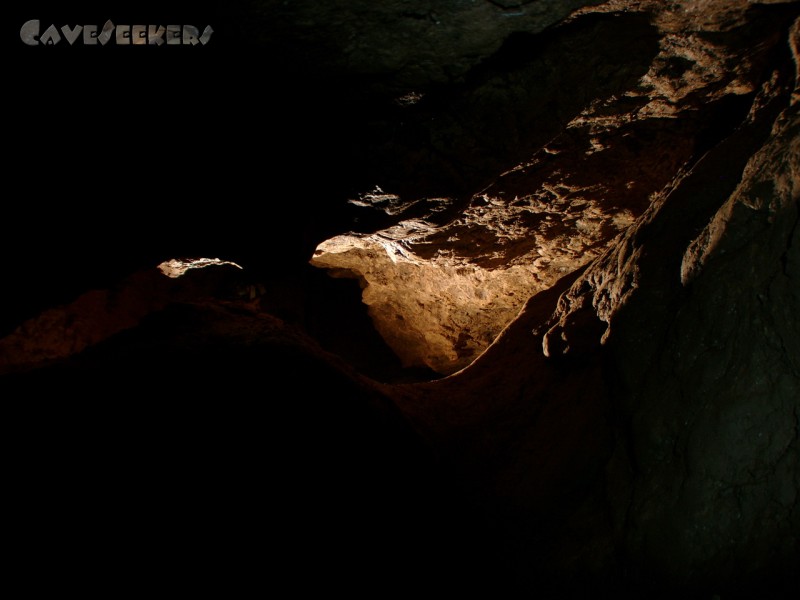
(458, 138)
(204, 450)
(171, 456)
(126, 156)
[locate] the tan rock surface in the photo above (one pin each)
(439, 293)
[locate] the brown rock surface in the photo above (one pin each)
(668, 417)
(97, 315)
(610, 283)
(440, 289)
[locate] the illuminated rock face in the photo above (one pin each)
(455, 310)
(440, 289)
(666, 370)
(634, 426)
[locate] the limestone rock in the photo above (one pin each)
(695, 306)
(715, 418)
(611, 282)
(441, 285)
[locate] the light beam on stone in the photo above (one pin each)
(177, 267)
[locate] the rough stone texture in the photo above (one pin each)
(97, 315)
(715, 423)
(631, 433)
(596, 161)
(692, 313)
(696, 305)
(668, 417)
(454, 312)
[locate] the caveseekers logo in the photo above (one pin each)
(122, 35)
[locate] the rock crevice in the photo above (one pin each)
(604, 160)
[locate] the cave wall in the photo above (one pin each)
(578, 131)
(694, 324)
(586, 212)
(714, 410)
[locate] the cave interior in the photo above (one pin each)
(513, 306)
